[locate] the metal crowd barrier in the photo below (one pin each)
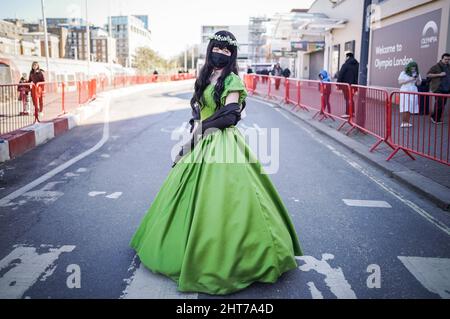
(372, 110)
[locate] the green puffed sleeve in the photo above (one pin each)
(233, 83)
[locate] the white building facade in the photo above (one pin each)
(131, 34)
(39, 37)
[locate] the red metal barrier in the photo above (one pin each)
(310, 96)
(16, 107)
(420, 135)
(371, 113)
(337, 102)
(260, 85)
(278, 86)
(46, 101)
(293, 93)
(83, 92)
(375, 111)
(249, 82)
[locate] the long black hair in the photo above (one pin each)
(203, 78)
(32, 66)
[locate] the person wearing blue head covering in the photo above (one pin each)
(326, 87)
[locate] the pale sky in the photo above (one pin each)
(174, 23)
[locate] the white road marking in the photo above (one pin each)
(82, 170)
(315, 293)
(48, 273)
(440, 225)
(105, 155)
(432, 273)
(52, 163)
(334, 277)
(144, 284)
(7, 199)
(46, 194)
(71, 174)
(24, 266)
(367, 203)
(93, 194)
(115, 195)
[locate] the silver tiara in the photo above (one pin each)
(221, 38)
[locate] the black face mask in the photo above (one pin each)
(219, 60)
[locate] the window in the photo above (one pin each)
(350, 46)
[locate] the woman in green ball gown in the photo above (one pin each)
(218, 226)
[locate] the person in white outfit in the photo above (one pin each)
(409, 103)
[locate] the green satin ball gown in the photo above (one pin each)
(217, 227)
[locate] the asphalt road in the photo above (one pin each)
(80, 197)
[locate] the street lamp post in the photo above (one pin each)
(193, 57)
(185, 58)
(365, 43)
(45, 38)
(110, 46)
(88, 37)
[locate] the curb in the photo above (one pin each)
(433, 191)
(17, 143)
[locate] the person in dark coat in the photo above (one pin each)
(439, 76)
(277, 72)
(36, 77)
(266, 73)
(348, 74)
(424, 100)
(286, 73)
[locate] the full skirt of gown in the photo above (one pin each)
(217, 227)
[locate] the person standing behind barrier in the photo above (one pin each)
(37, 76)
(440, 83)
(409, 103)
(325, 79)
(286, 73)
(424, 100)
(348, 74)
(24, 89)
(266, 73)
(277, 71)
(155, 75)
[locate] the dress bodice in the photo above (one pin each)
(233, 83)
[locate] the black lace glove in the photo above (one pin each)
(226, 116)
